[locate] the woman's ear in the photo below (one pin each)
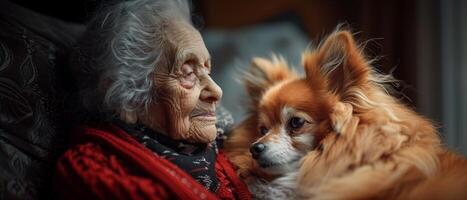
(129, 117)
(337, 64)
(263, 74)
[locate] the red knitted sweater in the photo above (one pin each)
(107, 163)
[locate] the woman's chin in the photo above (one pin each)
(199, 132)
(206, 134)
(202, 130)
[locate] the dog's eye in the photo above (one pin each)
(263, 130)
(296, 123)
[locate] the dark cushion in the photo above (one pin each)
(33, 89)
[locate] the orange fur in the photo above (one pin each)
(367, 144)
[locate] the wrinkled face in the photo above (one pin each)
(287, 126)
(186, 95)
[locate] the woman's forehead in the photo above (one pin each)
(186, 38)
(187, 43)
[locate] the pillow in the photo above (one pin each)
(33, 88)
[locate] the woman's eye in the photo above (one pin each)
(190, 75)
(263, 130)
(188, 78)
(296, 123)
(187, 70)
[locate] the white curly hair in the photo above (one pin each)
(124, 43)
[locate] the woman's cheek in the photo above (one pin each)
(187, 83)
(191, 99)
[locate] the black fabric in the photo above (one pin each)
(33, 88)
(198, 160)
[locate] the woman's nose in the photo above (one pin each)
(212, 92)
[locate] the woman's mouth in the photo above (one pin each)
(205, 115)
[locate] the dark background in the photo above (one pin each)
(423, 43)
(390, 25)
(420, 42)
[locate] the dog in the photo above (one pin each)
(337, 133)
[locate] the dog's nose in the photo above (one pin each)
(256, 149)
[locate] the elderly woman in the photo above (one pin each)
(144, 79)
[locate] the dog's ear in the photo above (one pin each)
(340, 116)
(337, 65)
(265, 73)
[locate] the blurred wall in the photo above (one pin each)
(422, 43)
(232, 50)
(453, 76)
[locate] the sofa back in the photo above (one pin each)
(34, 86)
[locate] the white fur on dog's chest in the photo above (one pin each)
(265, 190)
(281, 188)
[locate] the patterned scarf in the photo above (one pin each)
(198, 160)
